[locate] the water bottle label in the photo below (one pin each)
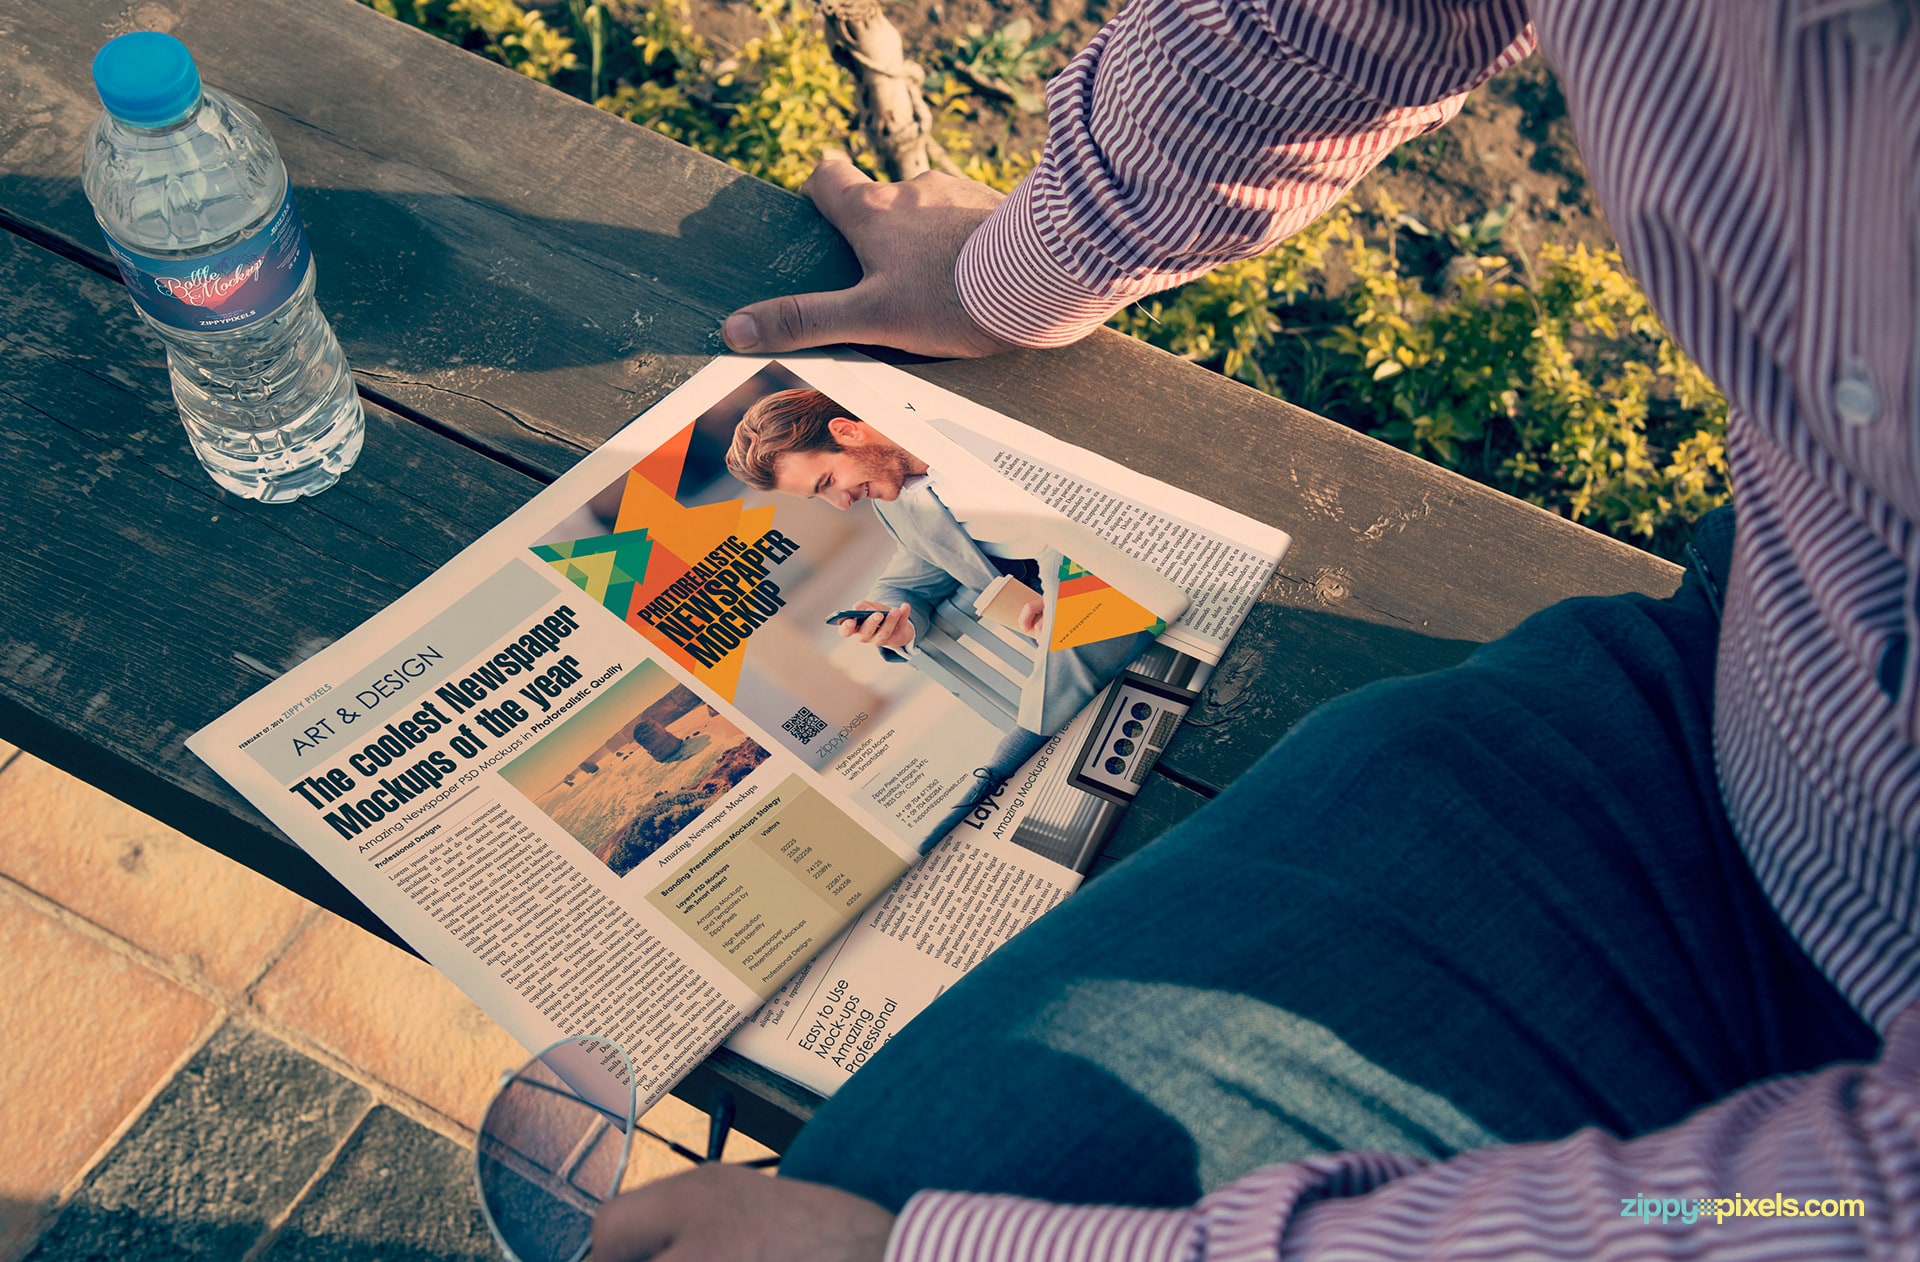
(226, 290)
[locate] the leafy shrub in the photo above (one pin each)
(1554, 383)
(1229, 318)
(1009, 62)
(1548, 378)
(501, 29)
(772, 111)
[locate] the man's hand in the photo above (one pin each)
(1032, 614)
(894, 631)
(907, 237)
(719, 1213)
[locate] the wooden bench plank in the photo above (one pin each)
(1161, 804)
(508, 260)
(102, 663)
(480, 260)
(589, 261)
(524, 272)
(104, 503)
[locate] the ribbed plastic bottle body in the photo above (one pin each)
(268, 403)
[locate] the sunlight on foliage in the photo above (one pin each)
(790, 101)
(670, 58)
(1230, 317)
(513, 36)
(772, 110)
(1547, 377)
(955, 105)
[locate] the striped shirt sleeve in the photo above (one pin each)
(1189, 133)
(1842, 1145)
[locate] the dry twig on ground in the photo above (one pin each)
(894, 114)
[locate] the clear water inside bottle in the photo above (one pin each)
(269, 406)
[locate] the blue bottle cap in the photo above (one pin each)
(146, 79)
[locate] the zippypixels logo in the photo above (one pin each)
(203, 288)
(1693, 1209)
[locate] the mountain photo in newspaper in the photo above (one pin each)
(840, 591)
(635, 767)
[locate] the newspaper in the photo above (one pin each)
(1030, 841)
(630, 760)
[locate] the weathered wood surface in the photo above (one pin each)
(531, 272)
(137, 602)
(517, 274)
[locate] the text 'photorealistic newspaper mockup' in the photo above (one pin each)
(631, 760)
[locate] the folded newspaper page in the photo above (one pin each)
(638, 753)
(1028, 843)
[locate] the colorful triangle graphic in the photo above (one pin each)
(1088, 610)
(657, 541)
(606, 567)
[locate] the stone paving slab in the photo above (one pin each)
(399, 1193)
(391, 1014)
(223, 1153)
(89, 1034)
(120, 945)
(396, 1017)
(146, 883)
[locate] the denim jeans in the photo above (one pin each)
(1498, 902)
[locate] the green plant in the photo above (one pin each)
(790, 102)
(1547, 377)
(670, 59)
(1008, 62)
(511, 35)
(772, 110)
(1229, 318)
(1556, 384)
(592, 21)
(954, 106)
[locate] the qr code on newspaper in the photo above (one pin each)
(805, 725)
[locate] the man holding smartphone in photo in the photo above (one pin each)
(799, 442)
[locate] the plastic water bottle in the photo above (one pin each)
(194, 200)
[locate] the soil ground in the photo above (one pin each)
(1511, 144)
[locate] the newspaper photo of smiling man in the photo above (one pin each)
(957, 575)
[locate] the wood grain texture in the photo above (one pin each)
(769, 1108)
(526, 273)
(530, 272)
(138, 601)
(1160, 806)
(493, 253)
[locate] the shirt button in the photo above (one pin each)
(1855, 401)
(1876, 28)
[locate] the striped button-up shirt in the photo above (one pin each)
(1757, 161)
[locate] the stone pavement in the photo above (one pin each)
(198, 1064)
